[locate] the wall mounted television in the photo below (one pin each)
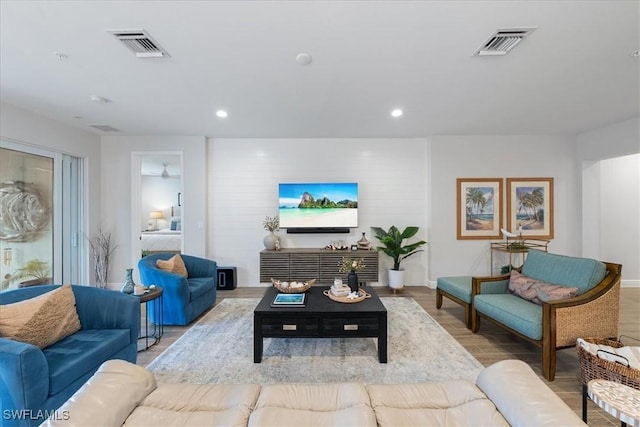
(330, 207)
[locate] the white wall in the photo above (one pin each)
(620, 215)
(25, 127)
(116, 197)
(619, 139)
(243, 189)
(464, 156)
(610, 196)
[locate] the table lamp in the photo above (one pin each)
(156, 215)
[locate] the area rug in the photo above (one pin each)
(219, 349)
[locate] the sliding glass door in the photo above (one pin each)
(40, 202)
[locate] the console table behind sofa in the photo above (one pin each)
(308, 263)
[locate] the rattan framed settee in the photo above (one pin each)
(553, 325)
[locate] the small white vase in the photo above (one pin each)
(396, 279)
(270, 241)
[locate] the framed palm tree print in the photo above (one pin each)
(530, 207)
(479, 208)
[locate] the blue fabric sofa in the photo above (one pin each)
(35, 382)
(183, 299)
(555, 324)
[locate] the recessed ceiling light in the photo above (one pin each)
(396, 113)
(636, 53)
(221, 113)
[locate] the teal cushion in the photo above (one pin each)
(494, 287)
(518, 314)
(81, 352)
(458, 286)
(583, 273)
(198, 286)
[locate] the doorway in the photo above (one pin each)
(157, 203)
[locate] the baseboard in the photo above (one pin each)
(630, 283)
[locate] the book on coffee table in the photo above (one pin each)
(288, 300)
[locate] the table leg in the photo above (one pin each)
(161, 317)
(584, 403)
(146, 326)
(382, 339)
(257, 339)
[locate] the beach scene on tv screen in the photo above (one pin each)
(318, 205)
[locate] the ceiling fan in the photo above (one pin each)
(160, 167)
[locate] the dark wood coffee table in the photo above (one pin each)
(320, 318)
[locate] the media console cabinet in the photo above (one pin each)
(321, 264)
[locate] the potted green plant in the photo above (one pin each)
(394, 246)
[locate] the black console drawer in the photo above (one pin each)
(345, 326)
(294, 326)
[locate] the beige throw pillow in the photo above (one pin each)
(43, 320)
(537, 291)
(175, 264)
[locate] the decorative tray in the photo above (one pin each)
(362, 295)
(292, 287)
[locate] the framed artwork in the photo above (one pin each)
(479, 208)
(530, 207)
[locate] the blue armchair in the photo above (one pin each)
(35, 382)
(183, 299)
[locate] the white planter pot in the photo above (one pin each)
(396, 279)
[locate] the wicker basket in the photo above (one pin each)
(593, 367)
(289, 290)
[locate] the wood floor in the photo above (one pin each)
(491, 344)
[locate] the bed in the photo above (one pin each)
(161, 241)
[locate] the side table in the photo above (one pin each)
(517, 248)
(619, 400)
(154, 294)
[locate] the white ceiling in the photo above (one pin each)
(574, 73)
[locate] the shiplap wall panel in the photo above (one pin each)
(243, 188)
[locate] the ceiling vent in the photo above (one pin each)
(502, 41)
(140, 43)
(105, 128)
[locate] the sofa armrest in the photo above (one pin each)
(108, 398)
(24, 375)
(490, 284)
(106, 309)
(175, 286)
(200, 267)
(592, 314)
(522, 398)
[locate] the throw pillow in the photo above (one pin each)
(175, 264)
(537, 291)
(43, 320)
(522, 286)
(548, 292)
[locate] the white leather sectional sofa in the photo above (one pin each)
(506, 393)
